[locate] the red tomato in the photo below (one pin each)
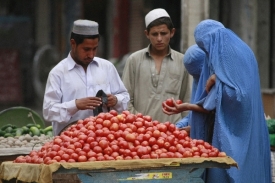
(97, 149)
(130, 118)
(92, 159)
(156, 133)
(106, 123)
(57, 141)
(55, 147)
(144, 143)
(141, 130)
(140, 115)
(74, 156)
(142, 151)
(169, 102)
(89, 139)
(204, 155)
(99, 120)
(46, 160)
(91, 154)
(221, 154)
(187, 154)
(162, 127)
(138, 124)
(128, 157)
(166, 145)
(114, 127)
(213, 154)
(57, 158)
(163, 155)
(122, 126)
(108, 116)
(77, 145)
(113, 112)
(178, 101)
(178, 155)
(160, 142)
(130, 137)
(65, 157)
(115, 147)
(152, 141)
(100, 158)
(108, 150)
(146, 156)
(147, 118)
(119, 158)
(172, 127)
(114, 154)
(123, 144)
(120, 118)
(103, 144)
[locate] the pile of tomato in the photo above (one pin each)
(113, 136)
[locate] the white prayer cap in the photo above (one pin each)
(85, 27)
(155, 14)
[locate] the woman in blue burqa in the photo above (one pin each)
(193, 61)
(233, 91)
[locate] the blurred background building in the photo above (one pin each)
(34, 36)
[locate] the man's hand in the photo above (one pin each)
(112, 100)
(88, 103)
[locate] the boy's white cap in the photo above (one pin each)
(85, 27)
(155, 14)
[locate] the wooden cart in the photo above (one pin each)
(168, 170)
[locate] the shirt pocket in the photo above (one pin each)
(173, 83)
(93, 89)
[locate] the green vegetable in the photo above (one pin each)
(272, 139)
(35, 131)
(49, 128)
(25, 130)
(2, 133)
(3, 128)
(271, 126)
(8, 129)
(49, 133)
(19, 132)
(8, 135)
(30, 125)
(38, 126)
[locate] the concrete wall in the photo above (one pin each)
(193, 11)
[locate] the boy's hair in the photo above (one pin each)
(80, 38)
(163, 20)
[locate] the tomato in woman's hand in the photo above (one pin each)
(169, 102)
(179, 101)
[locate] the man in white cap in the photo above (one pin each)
(73, 83)
(156, 73)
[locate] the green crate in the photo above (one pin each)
(20, 116)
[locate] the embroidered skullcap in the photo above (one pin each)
(155, 14)
(85, 27)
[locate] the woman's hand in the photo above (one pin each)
(178, 108)
(210, 82)
(187, 129)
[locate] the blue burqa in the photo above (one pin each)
(240, 127)
(193, 61)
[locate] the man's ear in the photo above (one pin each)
(73, 43)
(146, 33)
(172, 32)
